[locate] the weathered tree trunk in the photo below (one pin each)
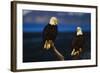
(57, 53)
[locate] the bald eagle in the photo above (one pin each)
(49, 36)
(77, 44)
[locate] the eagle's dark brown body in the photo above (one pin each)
(49, 37)
(50, 33)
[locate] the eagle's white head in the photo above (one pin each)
(79, 31)
(53, 21)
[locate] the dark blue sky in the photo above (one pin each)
(35, 21)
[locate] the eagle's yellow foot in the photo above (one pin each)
(73, 53)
